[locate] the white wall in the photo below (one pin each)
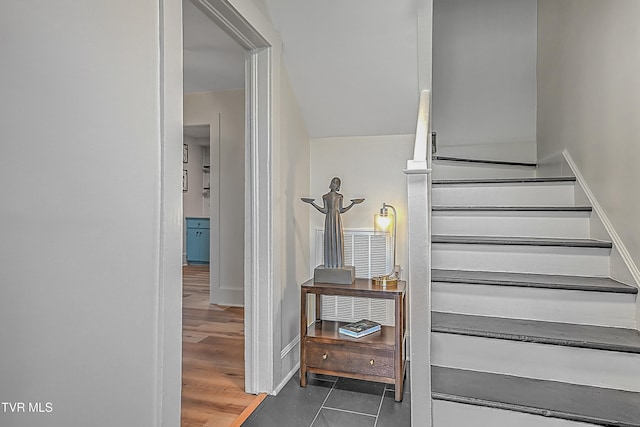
(193, 200)
(484, 78)
(291, 224)
(261, 6)
(84, 218)
(224, 112)
(589, 100)
(370, 167)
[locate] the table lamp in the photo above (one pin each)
(384, 221)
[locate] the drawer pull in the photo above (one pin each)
(324, 356)
(371, 362)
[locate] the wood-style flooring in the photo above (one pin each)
(212, 357)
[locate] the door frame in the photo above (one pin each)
(258, 285)
(258, 260)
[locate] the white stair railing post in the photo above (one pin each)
(419, 270)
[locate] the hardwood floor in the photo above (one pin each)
(212, 357)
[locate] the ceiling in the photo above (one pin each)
(352, 64)
(213, 61)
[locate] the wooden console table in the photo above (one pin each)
(376, 357)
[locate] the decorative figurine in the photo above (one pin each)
(333, 270)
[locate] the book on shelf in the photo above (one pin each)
(360, 328)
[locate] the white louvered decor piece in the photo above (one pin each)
(372, 254)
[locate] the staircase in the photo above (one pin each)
(527, 327)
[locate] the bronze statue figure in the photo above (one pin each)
(333, 233)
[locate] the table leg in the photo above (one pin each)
(303, 335)
(399, 362)
(318, 308)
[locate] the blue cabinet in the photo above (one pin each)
(197, 240)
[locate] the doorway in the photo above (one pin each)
(258, 280)
(214, 125)
(213, 206)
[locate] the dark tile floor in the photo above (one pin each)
(333, 402)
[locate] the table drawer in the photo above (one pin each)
(197, 223)
(344, 358)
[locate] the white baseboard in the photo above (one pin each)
(284, 354)
(599, 211)
(553, 165)
(287, 349)
(286, 379)
(229, 297)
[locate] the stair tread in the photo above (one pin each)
(588, 404)
(536, 331)
(595, 284)
(504, 180)
(513, 208)
(484, 161)
(520, 241)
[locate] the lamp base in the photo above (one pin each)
(385, 281)
(341, 276)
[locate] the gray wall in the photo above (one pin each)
(85, 250)
(589, 100)
(484, 75)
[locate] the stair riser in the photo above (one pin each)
(458, 170)
(522, 259)
(600, 368)
(452, 414)
(550, 194)
(505, 151)
(524, 224)
(553, 305)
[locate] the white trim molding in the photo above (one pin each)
(286, 379)
(240, 19)
(418, 173)
(289, 347)
(419, 294)
(258, 296)
(293, 345)
(597, 208)
(232, 22)
(229, 297)
(168, 339)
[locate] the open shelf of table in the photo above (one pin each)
(328, 331)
